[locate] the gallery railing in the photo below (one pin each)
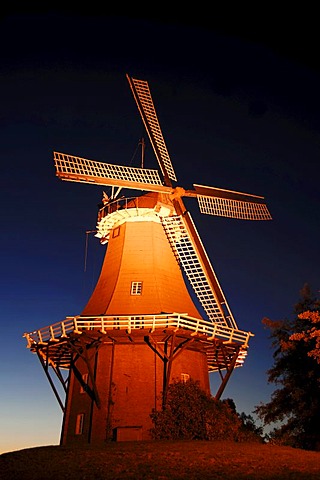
(103, 324)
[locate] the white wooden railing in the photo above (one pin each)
(78, 324)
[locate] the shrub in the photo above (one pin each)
(191, 414)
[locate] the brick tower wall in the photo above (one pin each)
(129, 379)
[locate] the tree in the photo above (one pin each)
(249, 431)
(310, 334)
(191, 414)
(296, 403)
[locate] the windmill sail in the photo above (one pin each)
(142, 95)
(190, 252)
(77, 169)
(227, 203)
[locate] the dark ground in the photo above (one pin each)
(162, 460)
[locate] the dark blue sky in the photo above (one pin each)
(239, 109)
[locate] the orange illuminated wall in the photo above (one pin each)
(129, 375)
(140, 252)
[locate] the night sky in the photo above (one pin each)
(238, 104)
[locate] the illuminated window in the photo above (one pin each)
(136, 288)
(85, 381)
(79, 424)
(185, 377)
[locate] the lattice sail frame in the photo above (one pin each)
(231, 204)
(78, 169)
(183, 246)
(224, 207)
(142, 95)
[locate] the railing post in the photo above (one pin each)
(63, 328)
(75, 325)
(214, 332)
(52, 333)
(29, 341)
(231, 336)
(102, 325)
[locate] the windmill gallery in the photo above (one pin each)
(141, 329)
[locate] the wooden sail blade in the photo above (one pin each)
(77, 169)
(142, 96)
(187, 245)
(228, 203)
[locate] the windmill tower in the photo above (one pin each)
(142, 329)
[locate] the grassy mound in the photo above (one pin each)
(162, 460)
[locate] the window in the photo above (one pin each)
(79, 424)
(136, 288)
(185, 377)
(85, 381)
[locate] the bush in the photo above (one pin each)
(190, 414)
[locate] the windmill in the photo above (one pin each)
(142, 327)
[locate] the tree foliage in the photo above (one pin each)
(191, 414)
(249, 431)
(311, 335)
(296, 372)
